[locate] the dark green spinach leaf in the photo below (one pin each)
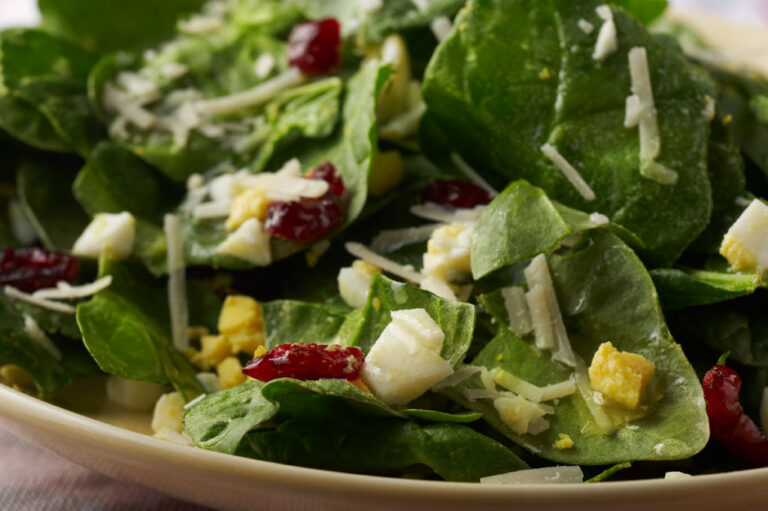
(554, 91)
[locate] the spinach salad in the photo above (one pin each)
(494, 240)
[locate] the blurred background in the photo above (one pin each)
(753, 12)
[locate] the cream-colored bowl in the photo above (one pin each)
(92, 439)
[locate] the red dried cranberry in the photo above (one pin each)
(455, 193)
(315, 47)
(304, 220)
(327, 172)
(307, 362)
(30, 269)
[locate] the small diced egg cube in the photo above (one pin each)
(230, 372)
(619, 375)
(241, 321)
(354, 282)
(111, 234)
(405, 361)
(448, 252)
(564, 441)
(251, 203)
(213, 349)
(249, 242)
(745, 245)
(169, 413)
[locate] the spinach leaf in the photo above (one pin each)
(738, 326)
(381, 446)
(645, 11)
(49, 373)
(456, 319)
(44, 188)
(114, 180)
(126, 329)
(52, 322)
(533, 224)
(351, 148)
(680, 288)
(554, 91)
(220, 421)
(605, 294)
(289, 321)
(105, 26)
(43, 99)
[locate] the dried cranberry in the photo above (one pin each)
(315, 47)
(304, 220)
(327, 172)
(30, 269)
(455, 193)
(728, 423)
(307, 362)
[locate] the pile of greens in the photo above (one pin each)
(511, 76)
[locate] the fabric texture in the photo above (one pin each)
(32, 479)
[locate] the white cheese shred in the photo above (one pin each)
(568, 171)
(643, 112)
(177, 295)
(545, 475)
(438, 213)
(586, 26)
(215, 209)
(34, 332)
(390, 240)
(606, 44)
(538, 277)
(441, 28)
(255, 96)
(64, 290)
(520, 321)
(457, 377)
(405, 272)
(16, 294)
(472, 174)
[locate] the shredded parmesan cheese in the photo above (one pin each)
(457, 377)
(264, 65)
(586, 26)
(405, 272)
(33, 330)
(390, 240)
(471, 173)
(12, 292)
(520, 321)
(441, 28)
(606, 44)
(644, 113)
(255, 96)
(216, 209)
(64, 290)
(438, 213)
(568, 171)
(177, 295)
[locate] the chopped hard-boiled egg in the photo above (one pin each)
(619, 375)
(249, 242)
(386, 173)
(112, 234)
(251, 203)
(448, 251)
(405, 361)
(230, 373)
(564, 441)
(16, 377)
(354, 282)
(745, 245)
(213, 349)
(134, 395)
(168, 414)
(241, 321)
